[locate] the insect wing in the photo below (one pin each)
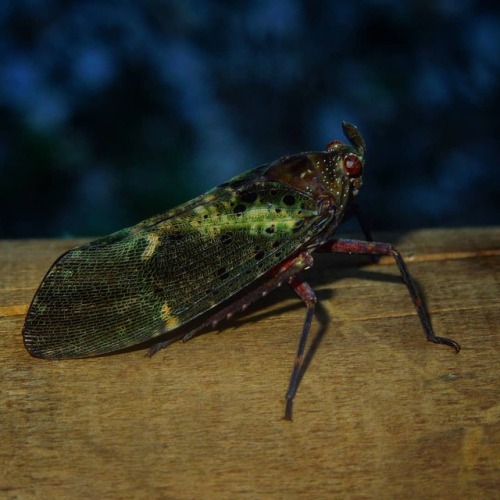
(140, 282)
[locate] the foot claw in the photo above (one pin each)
(445, 341)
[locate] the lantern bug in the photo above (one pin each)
(175, 274)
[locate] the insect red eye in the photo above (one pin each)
(353, 165)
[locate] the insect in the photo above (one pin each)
(187, 269)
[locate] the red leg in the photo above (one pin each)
(306, 293)
(355, 211)
(375, 248)
(286, 272)
(281, 275)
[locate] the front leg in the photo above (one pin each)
(378, 249)
(354, 211)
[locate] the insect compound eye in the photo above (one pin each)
(352, 164)
(332, 145)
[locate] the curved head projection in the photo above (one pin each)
(355, 138)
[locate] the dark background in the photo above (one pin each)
(113, 111)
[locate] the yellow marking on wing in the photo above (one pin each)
(170, 320)
(152, 240)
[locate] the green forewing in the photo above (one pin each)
(140, 282)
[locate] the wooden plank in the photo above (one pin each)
(380, 412)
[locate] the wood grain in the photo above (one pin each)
(380, 412)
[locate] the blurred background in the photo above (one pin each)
(113, 111)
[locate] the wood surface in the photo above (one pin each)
(380, 412)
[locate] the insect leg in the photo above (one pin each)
(161, 345)
(355, 211)
(306, 293)
(223, 314)
(375, 248)
(279, 276)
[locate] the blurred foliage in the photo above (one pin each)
(113, 111)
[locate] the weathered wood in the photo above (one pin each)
(380, 412)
